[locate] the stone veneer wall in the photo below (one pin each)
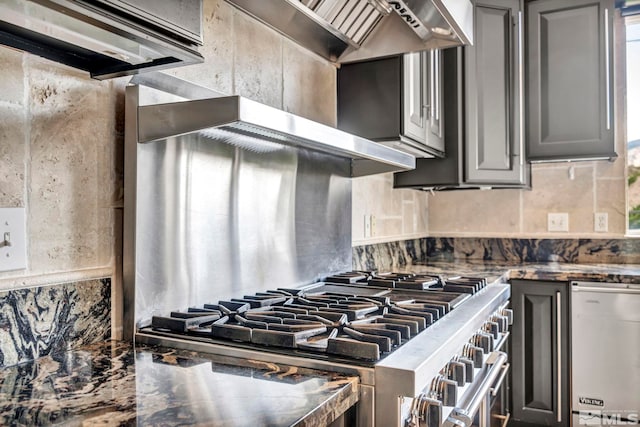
(35, 322)
(388, 256)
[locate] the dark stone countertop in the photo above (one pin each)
(555, 271)
(112, 384)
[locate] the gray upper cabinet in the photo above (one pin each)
(570, 80)
(493, 95)
(396, 101)
(483, 109)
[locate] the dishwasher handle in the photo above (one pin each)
(613, 288)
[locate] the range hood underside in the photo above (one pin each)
(89, 37)
(261, 127)
(390, 36)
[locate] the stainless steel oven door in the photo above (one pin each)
(476, 409)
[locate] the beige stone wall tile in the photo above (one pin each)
(12, 156)
(365, 198)
(12, 81)
(72, 132)
(409, 220)
(308, 84)
(554, 191)
(421, 205)
(474, 211)
(257, 60)
(399, 213)
(216, 72)
(615, 169)
(610, 199)
(388, 227)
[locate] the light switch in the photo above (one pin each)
(13, 247)
(558, 221)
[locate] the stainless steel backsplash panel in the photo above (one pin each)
(214, 220)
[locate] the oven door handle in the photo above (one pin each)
(496, 386)
(466, 415)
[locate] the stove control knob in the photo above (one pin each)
(428, 412)
(484, 341)
(468, 368)
(493, 328)
(474, 353)
(456, 371)
(449, 393)
(444, 390)
(508, 313)
(502, 321)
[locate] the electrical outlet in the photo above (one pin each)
(558, 221)
(13, 248)
(601, 222)
(367, 226)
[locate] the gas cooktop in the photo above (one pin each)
(359, 317)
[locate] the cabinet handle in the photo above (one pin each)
(607, 72)
(521, 90)
(559, 353)
(433, 78)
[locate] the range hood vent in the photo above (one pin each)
(261, 128)
(107, 38)
(351, 30)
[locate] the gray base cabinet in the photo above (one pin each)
(540, 353)
(570, 80)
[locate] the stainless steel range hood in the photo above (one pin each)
(107, 38)
(350, 30)
(261, 128)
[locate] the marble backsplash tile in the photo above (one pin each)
(386, 256)
(35, 322)
(598, 251)
(389, 255)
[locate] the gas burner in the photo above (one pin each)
(459, 284)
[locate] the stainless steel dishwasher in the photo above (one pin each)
(605, 353)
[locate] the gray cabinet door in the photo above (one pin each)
(435, 110)
(539, 352)
(415, 96)
(493, 95)
(570, 80)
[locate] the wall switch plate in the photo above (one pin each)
(558, 221)
(13, 239)
(373, 225)
(601, 222)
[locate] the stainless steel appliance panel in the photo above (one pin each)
(605, 337)
(216, 220)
